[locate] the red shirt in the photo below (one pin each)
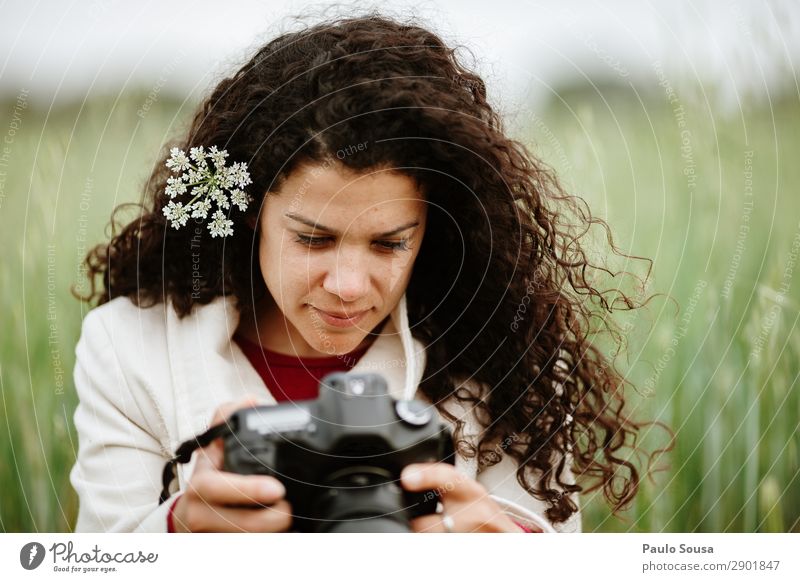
(291, 377)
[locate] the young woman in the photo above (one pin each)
(387, 224)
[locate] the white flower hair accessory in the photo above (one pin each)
(207, 185)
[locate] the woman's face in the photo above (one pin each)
(336, 253)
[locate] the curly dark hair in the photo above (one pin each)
(500, 293)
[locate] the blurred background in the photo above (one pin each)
(677, 123)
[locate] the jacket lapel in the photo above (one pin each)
(396, 356)
(209, 368)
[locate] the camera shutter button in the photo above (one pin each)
(413, 412)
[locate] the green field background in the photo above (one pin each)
(715, 355)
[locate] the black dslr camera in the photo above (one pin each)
(340, 456)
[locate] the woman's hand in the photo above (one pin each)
(210, 500)
(465, 500)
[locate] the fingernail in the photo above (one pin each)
(411, 476)
(271, 488)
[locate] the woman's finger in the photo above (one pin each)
(212, 455)
(479, 517)
(224, 488)
(442, 478)
(222, 412)
(232, 519)
(432, 523)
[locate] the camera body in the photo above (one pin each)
(340, 456)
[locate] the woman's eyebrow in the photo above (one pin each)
(315, 226)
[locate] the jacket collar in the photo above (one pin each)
(209, 368)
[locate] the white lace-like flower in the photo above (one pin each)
(240, 199)
(199, 190)
(193, 176)
(240, 175)
(178, 161)
(205, 184)
(175, 187)
(218, 157)
(198, 155)
(176, 213)
(219, 197)
(220, 226)
(201, 208)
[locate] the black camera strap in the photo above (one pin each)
(184, 454)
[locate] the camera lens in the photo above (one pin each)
(361, 499)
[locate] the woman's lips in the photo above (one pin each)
(338, 321)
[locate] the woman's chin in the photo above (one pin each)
(339, 349)
(335, 346)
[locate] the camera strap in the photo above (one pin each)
(184, 454)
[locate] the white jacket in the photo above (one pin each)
(148, 381)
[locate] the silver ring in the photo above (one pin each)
(447, 523)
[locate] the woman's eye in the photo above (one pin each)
(312, 241)
(393, 245)
(321, 241)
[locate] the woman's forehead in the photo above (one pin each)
(335, 181)
(330, 194)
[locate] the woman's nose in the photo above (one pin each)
(347, 277)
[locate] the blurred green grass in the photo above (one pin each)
(735, 462)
